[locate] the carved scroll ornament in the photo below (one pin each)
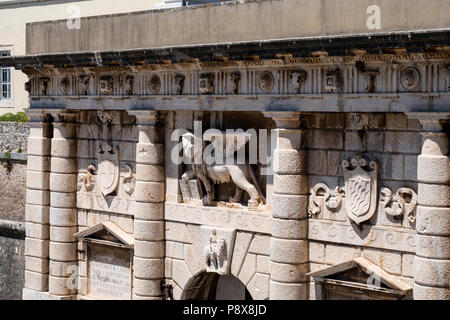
(404, 202)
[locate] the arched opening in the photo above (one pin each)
(212, 286)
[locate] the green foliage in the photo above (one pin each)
(7, 162)
(14, 117)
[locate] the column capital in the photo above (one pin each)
(147, 117)
(285, 119)
(63, 115)
(38, 115)
(431, 121)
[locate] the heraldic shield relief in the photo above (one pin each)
(360, 188)
(108, 168)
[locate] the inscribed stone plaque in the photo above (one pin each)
(109, 272)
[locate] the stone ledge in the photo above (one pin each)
(14, 156)
(363, 102)
(397, 239)
(14, 226)
(28, 294)
(239, 219)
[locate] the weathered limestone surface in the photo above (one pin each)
(37, 208)
(226, 21)
(288, 250)
(432, 259)
(63, 215)
(149, 196)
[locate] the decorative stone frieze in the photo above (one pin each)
(366, 74)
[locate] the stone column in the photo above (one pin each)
(63, 213)
(288, 246)
(432, 260)
(148, 263)
(37, 204)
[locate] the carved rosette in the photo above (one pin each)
(410, 78)
(154, 84)
(266, 81)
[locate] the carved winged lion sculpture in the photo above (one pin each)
(239, 174)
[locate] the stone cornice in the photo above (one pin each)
(299, 48)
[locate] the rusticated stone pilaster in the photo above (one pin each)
(37, 203)
(288, 246)
(148, 266)
(432, 260)
(63, 213)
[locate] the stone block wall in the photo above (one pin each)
(394, 142)
(12, 189)
(13, 138)
(250, 261)
(92, 207)
(12, 247)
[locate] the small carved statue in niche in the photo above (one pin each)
(179, 83)
(84, 85)
(404, 202)
(206, 83)
(216, 252)
(235, 79)
(239, 174)
(129, 85)
(64, 86)
(106, 85)
(266, 81)
(370, 74)
(44, 84)
(155, 84)
(298, 77)
(334, 81)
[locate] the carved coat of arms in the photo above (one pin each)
(360, 188)
(108, 168)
